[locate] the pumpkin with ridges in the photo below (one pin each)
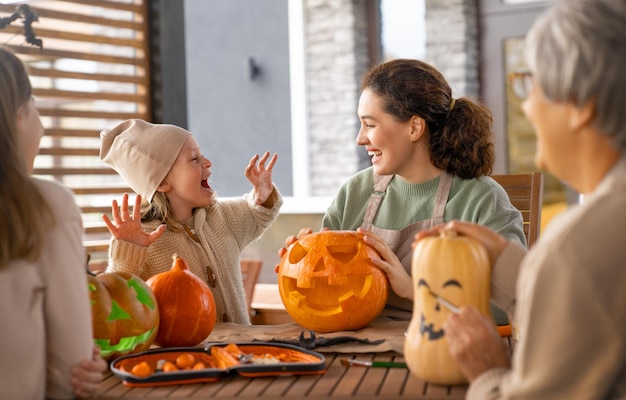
(186, 306)
(125, 314)
(328, 282)
(458, 269)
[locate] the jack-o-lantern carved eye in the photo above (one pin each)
(343, 253)
(337, 262)
(297, 253)
(328, 282)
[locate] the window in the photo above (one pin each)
(91, 72)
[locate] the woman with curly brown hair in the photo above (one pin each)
(431, 156)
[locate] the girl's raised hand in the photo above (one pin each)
(128, 228)
(260, 175)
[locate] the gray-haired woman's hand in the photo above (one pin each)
(475, 343)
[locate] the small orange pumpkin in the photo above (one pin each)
(124, 313)
(457, 268)
(186, 306)
(328, 282)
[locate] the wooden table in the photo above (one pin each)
(339, 382)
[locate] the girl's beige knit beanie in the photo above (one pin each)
(142, 153)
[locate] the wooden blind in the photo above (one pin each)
(91, 73)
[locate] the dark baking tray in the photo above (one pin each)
(312, 363)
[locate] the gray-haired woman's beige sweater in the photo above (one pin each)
(224, 229)
(570, 305)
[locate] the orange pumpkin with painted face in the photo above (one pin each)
(328, 282)
(458, 269)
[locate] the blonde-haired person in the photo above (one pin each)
(47, 348)
(181, 214)
(569, 297)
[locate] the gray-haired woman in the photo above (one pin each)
(569, 297)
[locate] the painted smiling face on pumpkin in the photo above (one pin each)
(328, 283)
(431, 327)
(457, 268)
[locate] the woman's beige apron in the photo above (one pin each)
(400, 241)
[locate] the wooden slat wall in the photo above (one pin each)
(92, 73)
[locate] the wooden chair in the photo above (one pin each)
(526, 194)
(250, 269)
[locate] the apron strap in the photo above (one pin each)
(441, 200)
(380, 187)
(400, 241)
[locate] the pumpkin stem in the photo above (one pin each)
(178, 263)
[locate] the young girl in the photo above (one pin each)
(164, 165)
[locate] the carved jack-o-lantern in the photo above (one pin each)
(458, 269)
(124, 311)
(328, 283)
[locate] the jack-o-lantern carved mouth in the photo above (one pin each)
(124, 344)
(315, 299)
(430, 329)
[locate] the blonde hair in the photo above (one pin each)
(159, 209)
